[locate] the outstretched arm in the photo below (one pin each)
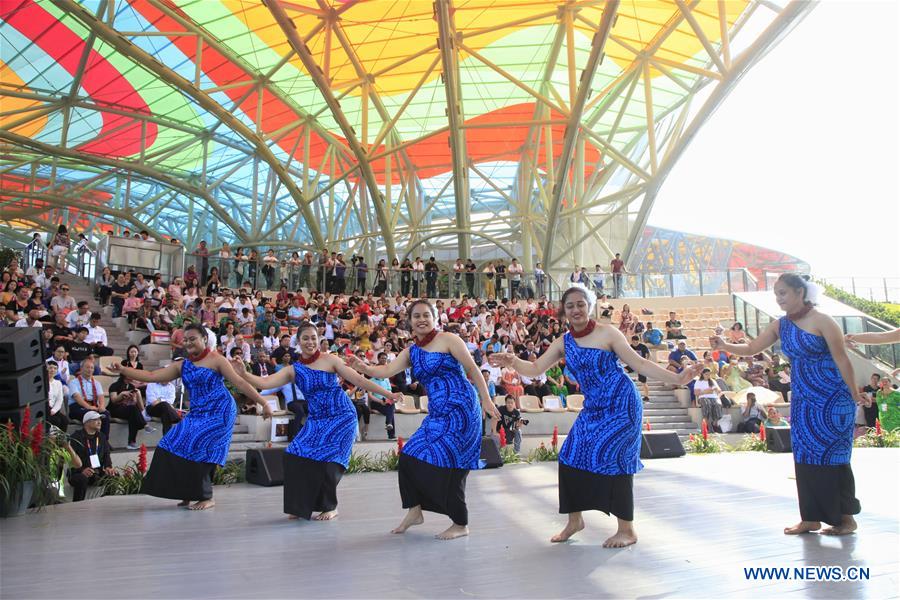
(270, 382)
(883, 337)
(380, 371)
(761, 342)
(359, 381)
(545, 361)
(170, 372)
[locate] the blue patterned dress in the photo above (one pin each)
(822, 420)
(437, 458)
(187, 455)
(606, 436)
(330, 428)
(602, 451)
(822, 410)
(450, 436)
(204, 434)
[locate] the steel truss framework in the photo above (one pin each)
(481, 127)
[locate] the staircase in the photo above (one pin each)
(664, 412)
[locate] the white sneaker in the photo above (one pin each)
(132, 447)
(149, 429)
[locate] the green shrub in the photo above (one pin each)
(509, 456)
(874, 439)
(234, 471)
(752, 442)
(711, 444)
(877, 310)
(544, 454)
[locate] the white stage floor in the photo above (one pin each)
(700, 520)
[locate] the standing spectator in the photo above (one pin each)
(515, 271)
(362, 273)
(707, 393)
(270, 262)
(598, 278)
(91, 446)
(339, 274)
(418, 274)
(225, 258)
(489, 274)
(431, 277)
(888, 401)
(539, 276)
(500, 271)
(394, 276)
(673, 328)
(252, 266)
(873, 387)
(59, 247)
(644, 353)
(202, 253)
(458, 269)
(305, 268)
(617, 266)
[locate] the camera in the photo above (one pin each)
(524, 422)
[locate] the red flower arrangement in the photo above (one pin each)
(704, 429)
(25, 427)
(555, 439)
(142, 459)
(502, 438)
(37, 436)
(762, 432)
(648, 425)
(878, 430)
(399, 444)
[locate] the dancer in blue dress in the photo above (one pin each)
(437, 458)
(316, 459)
(601, 453)
(824, 395)
(187, 455)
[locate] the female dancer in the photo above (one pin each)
(187, 455)
(436, 460)
(823, 391)
(316, 459)
(601, 454)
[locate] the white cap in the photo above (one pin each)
(90, 416)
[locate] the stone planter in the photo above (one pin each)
(17, 503)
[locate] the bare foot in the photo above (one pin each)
(183, 503)
(803, 527)
(847, 526)
(453, 532)
(575, 524)
(621, 539)
(293, 517)
(326, 515)
(203, 504)
(413, 517)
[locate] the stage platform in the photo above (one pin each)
(701, 521)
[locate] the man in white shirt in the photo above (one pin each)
(238, 342)
(514, 270)
(63, 303)
(56, 393)
(80, 317)
(160, 404)
(96, 337)
(31, 319)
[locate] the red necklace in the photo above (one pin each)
(586, 331)
(198, 357)
(311, 359)
(796, 316)
(424, 341)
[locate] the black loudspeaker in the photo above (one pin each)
(20, 348)
(661, 444)
(265, 466)
(38, 413)
(778, 439)
(26, 386)
(490, 452)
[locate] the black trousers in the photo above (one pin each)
(470, 284)
(59, 420)
(362, 411)
(80, 482)
(300, 408)
(538, 390)
(132, 414)
(166, 413)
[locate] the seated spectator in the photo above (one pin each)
(80, 317)
(604, 306)
(91, 446)
(284, 347)
(131, 305)
(96, 337)
(381, 404)
(262, 366)
(774, 418)
(733, 376)
(125, 402)
(773, 381)
(32, 319)
(78, 350)
(752, 416)
(557, 383)
(512, 383)
(676, 355)
(736, 334)
(707, 393)
(643, 352)
(56, 394)
(888, 401)
(652, 335)
(492, 389)
(627, 321)
(755, 372)
(511, 422)
(160, 403)
(119, 291)
(86, 394)
(63, 303)
(536, 386)
(673, 328)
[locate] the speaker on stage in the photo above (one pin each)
(265, 466)
(20, 348)
(661, 444)
(38, 413)
(778, 439)
(26, 386)
(490, 452)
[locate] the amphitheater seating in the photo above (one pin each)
(408, 406)
(574, 402)
(530, 404)
(105, 381)
(105, 361)
(423, 403)
(553, 404)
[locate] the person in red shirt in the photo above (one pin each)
(617, 266)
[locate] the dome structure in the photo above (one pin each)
(536, 129)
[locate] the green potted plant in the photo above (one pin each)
(30, 465)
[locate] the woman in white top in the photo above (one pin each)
(707, 393)
(225, 264)
(270, 340)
